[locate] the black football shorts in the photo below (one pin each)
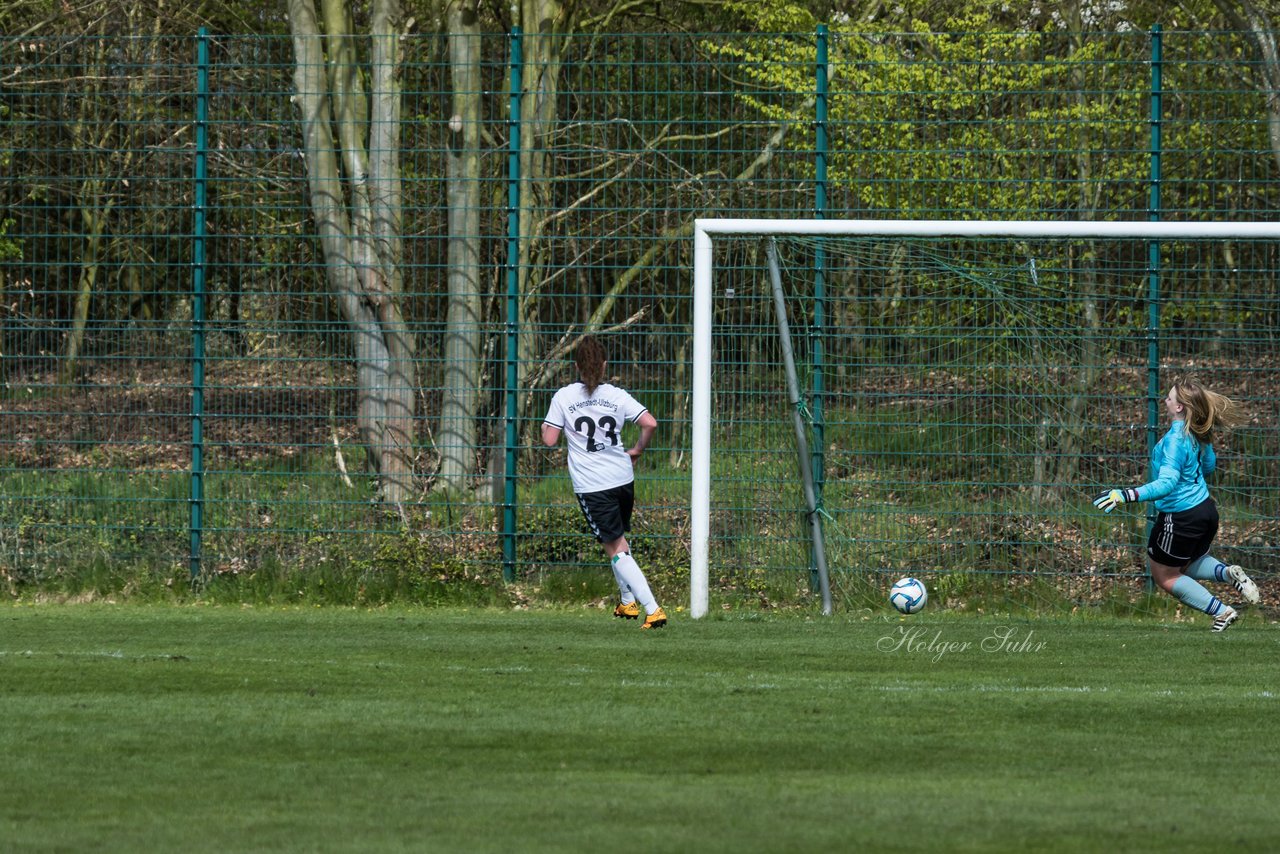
(1179, 538)
(608, 512)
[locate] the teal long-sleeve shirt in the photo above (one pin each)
(1179, 464)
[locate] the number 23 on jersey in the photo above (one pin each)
(607, 425)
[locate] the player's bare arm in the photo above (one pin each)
(647, 424)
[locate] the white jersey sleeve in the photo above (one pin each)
(592, 426)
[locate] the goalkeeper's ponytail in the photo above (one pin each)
(589, 358)
(1207, 410)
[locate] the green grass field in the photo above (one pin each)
(206, 728)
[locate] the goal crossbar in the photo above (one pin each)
(706, 230)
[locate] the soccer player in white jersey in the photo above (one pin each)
(591, 414)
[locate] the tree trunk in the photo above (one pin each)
(1072, 431)
(94, 220)
(1258, 28)
(400, 391)
(4, 379)
(464, 342)
(93, 211)
(355, 203)
(546, 24)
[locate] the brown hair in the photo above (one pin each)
(1207, 410)
(589, 357)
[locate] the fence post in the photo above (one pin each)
(1153, 247)
(512, 331)
(1153, 268)
(817, 454)
(197, 300)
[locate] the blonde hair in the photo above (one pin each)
(589, 357)
(1207, 411)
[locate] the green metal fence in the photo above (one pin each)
(179, 377)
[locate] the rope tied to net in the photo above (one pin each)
(803, 409)
(820, 510)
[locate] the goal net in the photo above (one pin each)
(965, 389)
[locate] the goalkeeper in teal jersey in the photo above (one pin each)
(1187, 518)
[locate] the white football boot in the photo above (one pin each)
(1244, 584)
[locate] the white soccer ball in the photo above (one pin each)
(908, 595)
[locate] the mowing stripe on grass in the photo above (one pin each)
(214, 729)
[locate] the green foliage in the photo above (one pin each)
(774, 17)
(406, 569)
(259, 557)
(555, 536)
(910, 108)
(10, 248)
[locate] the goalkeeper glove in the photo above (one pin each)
(1113, 498)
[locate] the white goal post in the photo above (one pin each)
(707, 230)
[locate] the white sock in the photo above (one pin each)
(628, 571)
(623, 588)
